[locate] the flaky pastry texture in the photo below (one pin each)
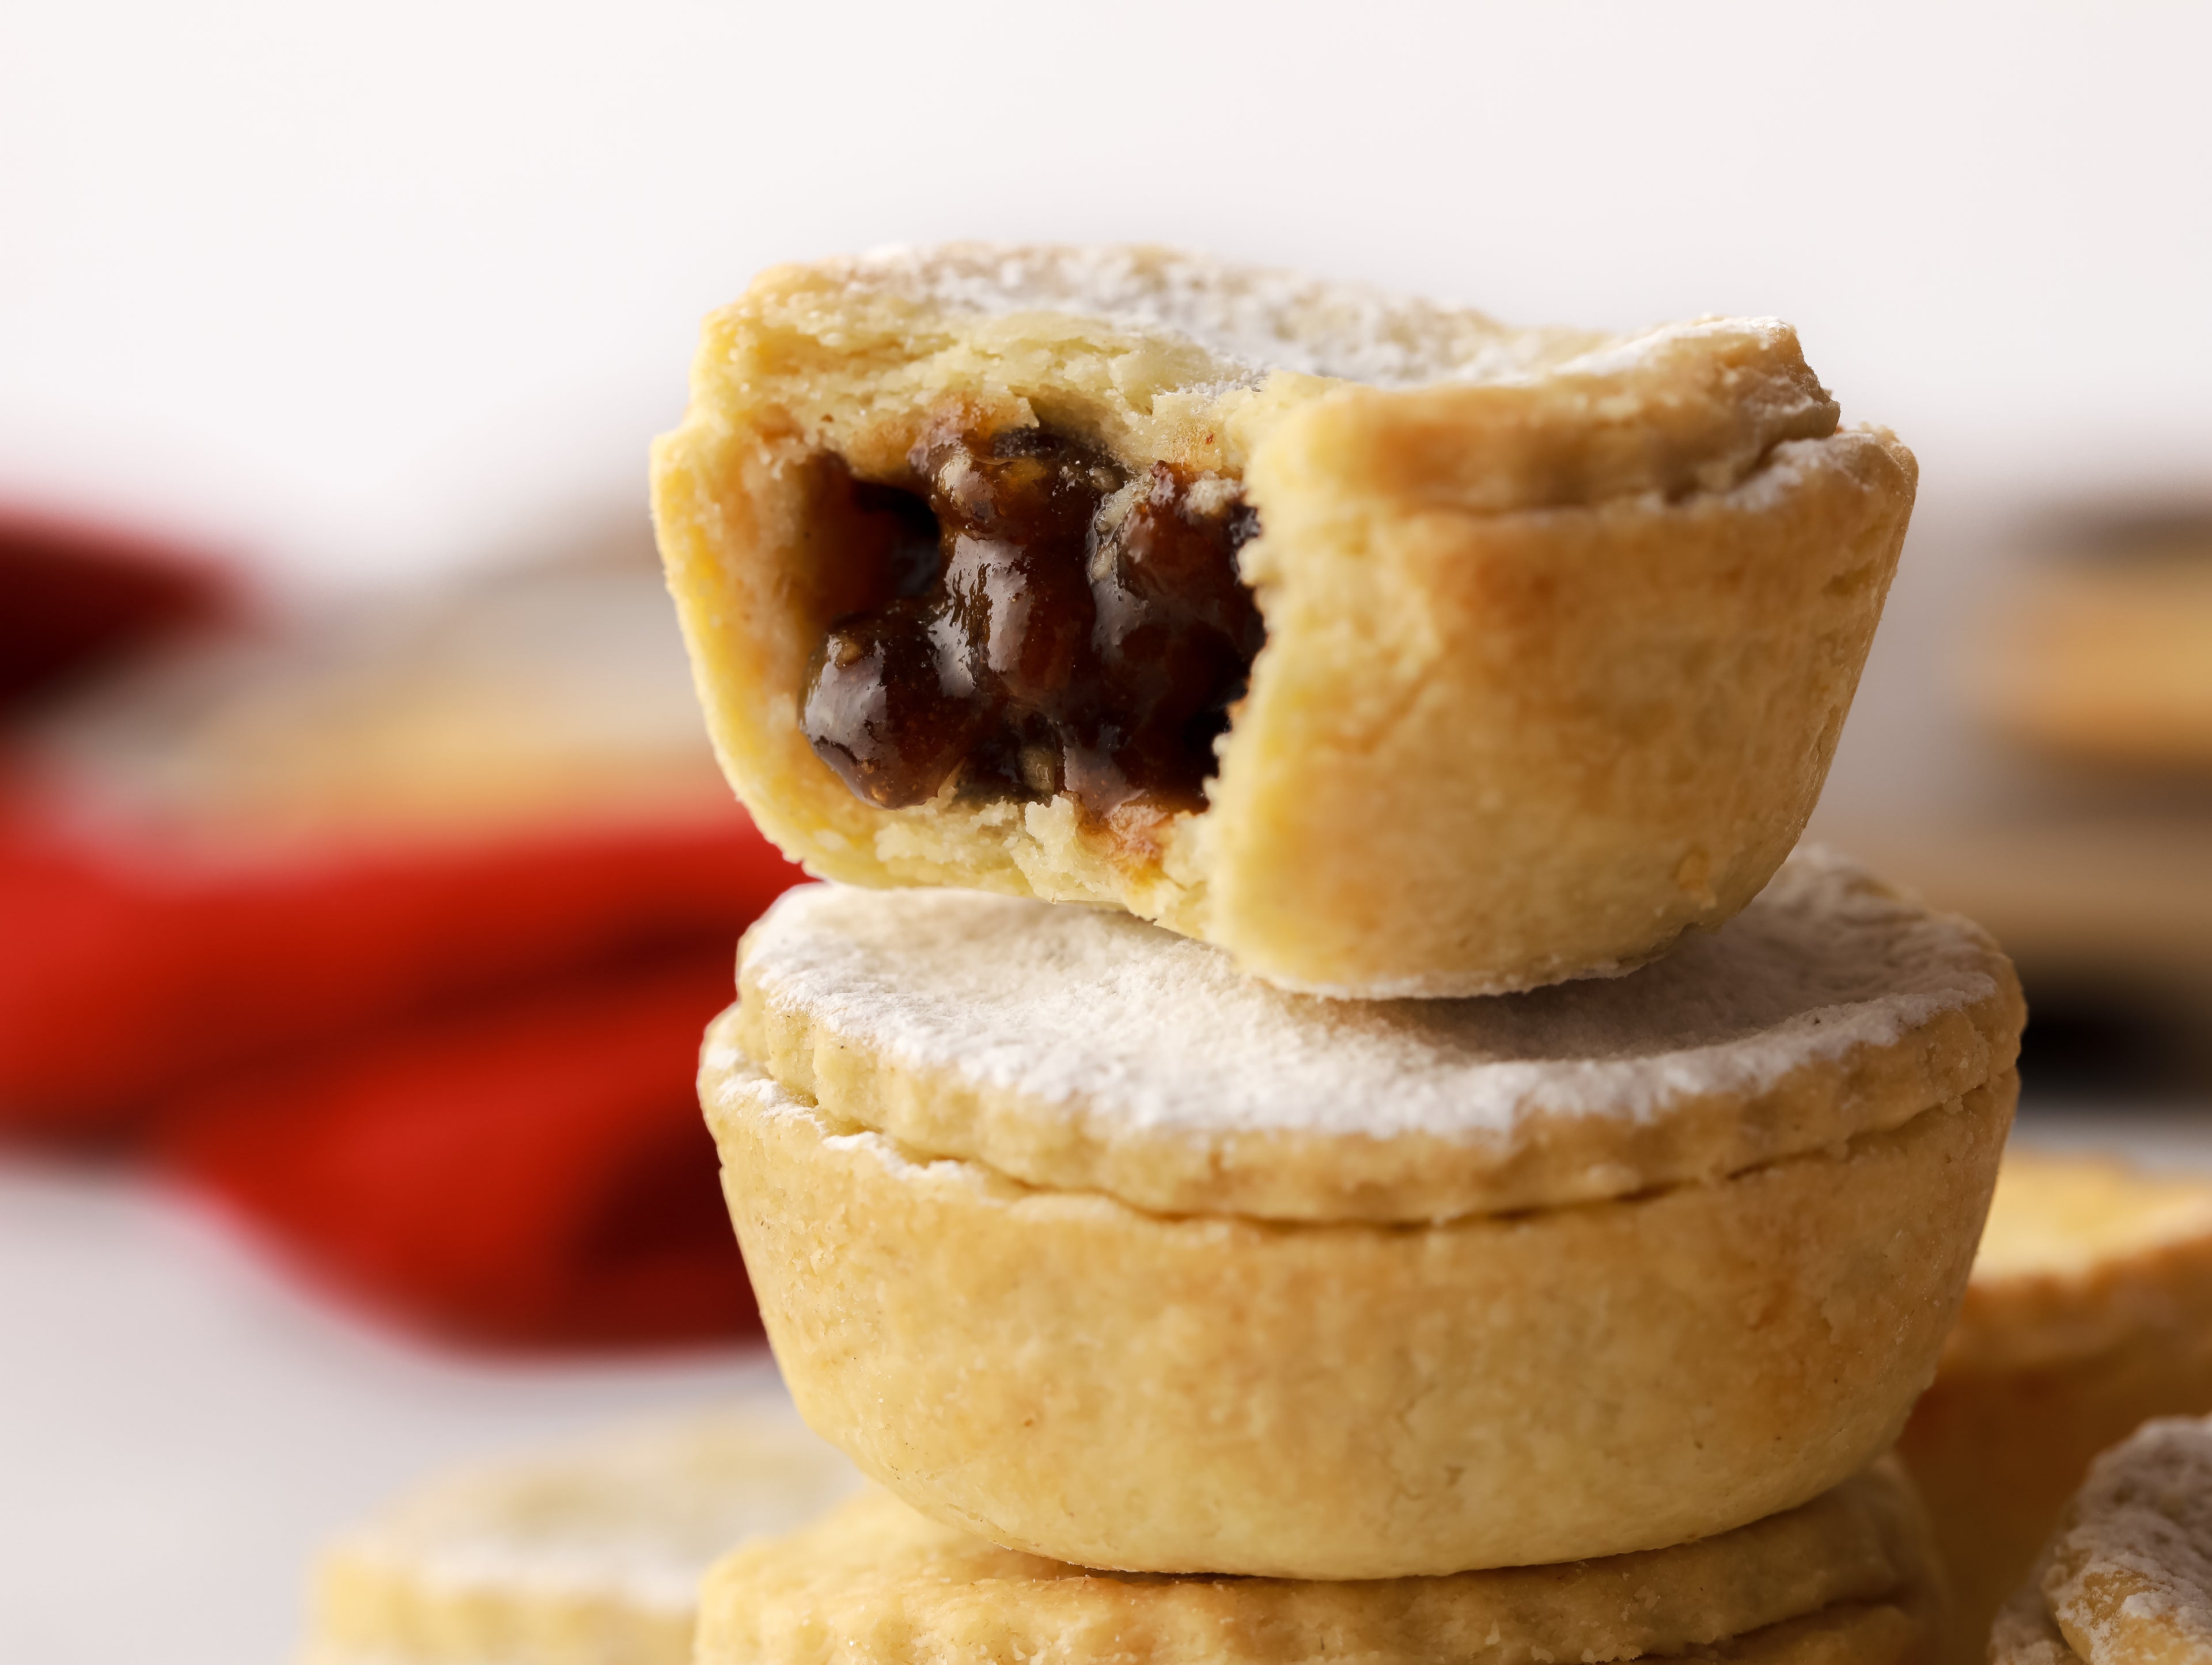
(1846, 1577)
(1561, 628)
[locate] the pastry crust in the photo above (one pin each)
(573, 1557)
(2127, 1578)
(1561, 631)
(2089, 1308)
(1067, 1375)
(1846, 1577)
(1080, 1050)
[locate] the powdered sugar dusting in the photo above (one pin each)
(635, 1515)
(1255, 318)
(2024, 1634)
(2142, 1524)
(1111, 1018)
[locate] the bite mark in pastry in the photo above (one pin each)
(1847, 1579)
(1396, 652)
(1075, 1239)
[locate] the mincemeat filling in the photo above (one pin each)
(1049, 624)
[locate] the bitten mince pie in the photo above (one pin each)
(2127, 1577)
(1395, 651)
(1847, 1579)
(1077, 1240)
(2089, 1310)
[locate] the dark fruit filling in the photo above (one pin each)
(1026, 646)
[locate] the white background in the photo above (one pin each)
(364, 289)
(361, 293)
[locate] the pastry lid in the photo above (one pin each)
(1084, 1049)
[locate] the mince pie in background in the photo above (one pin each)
(2103, 655)
(1398, 652)
(588, 1555)
(1846, 1579)
(2089, 1309)
(1074, 1238)
(2127, 1577)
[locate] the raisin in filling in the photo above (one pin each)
(1046, 625)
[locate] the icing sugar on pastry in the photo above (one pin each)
(1257, 319)
(1083, 1050)
(2129, 1576)
(1093, 1010)
(592, 1550)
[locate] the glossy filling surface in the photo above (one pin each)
(1045, 623)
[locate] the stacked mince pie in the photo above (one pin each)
(1322, 1116)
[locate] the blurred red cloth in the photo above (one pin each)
(127, 977)
(73, 594)
(534, 1169)
(446, 1068)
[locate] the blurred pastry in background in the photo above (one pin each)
(588, 1554)
(2105, 656)
(1849, 1578)
(2089, 1308)
(2127, 1577)
(2072, 811)
(255, 842)
(393, 930)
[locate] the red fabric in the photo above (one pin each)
(125, 980)
(75, 595)
(452, 1081)
(534, 1171)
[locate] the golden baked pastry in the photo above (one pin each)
(2127, 1578)
(589, 1555)
(2089, 1308)
(1846, 1578)
(538, 697)
(1547, 641)
(1077, 1240)
(2107, 658)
